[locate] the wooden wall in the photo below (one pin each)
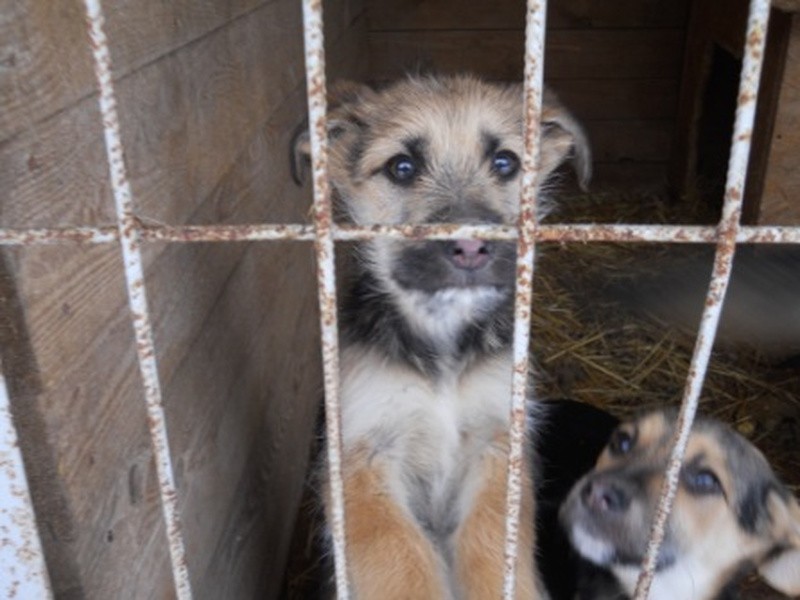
(780, 202)
(616, 63)
(209, 93)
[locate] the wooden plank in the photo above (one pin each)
(405, 15)
(717, 26)
(628, 154)
(697, 57)
(603, 54)
(46, 62)
(780, 204)
(184, 118)
(92, 415)
(47, 54)
(621, 141)
(619, 99)
(225, 316)
(629, 176)
(187, 112)
(55, 173)
(772, 82)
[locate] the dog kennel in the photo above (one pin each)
(165, 438)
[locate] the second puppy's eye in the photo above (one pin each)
(401, 169)
(505, 164)
(701, 481)
(621, 442)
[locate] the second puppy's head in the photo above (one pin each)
(435, 150)
(731, 514)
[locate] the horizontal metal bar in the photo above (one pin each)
(53, 235)
(683, 234)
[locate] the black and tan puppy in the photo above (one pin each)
(427, 328)
(731, 514)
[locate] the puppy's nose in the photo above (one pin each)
(604, 496)
(470, 254)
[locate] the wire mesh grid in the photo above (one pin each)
(131, 233)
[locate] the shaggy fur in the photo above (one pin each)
(731, 514)
(426, 365)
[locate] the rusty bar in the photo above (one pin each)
(326, 277)
(227, 233)
(69, 235)
(723, 263)
(527, 225)
(584, 233)
(685, 234)
(134, 278)
(23, 573)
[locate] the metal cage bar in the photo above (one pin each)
(130, 245)
(130, 232)
(526, 245)
(22, 566)
(187, 234)
(757, 22)
(326, 277)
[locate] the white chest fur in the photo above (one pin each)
(426, 432)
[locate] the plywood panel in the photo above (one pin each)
(780, 204)
(206, 126)
(617, 54)
(184, 118)
(394, 15)
(90, 410)
(47, 60)
(620, 141)
(628, 176)
(614, 99)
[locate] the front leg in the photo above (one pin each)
(480, 539)
(389, 556)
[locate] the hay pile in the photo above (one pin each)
(589, 347)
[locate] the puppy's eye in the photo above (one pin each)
(401, 169)
(701, 482)
(505, 164)
(621, 442)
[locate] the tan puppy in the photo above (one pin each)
(427, 328)
(731, 514)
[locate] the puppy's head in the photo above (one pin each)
(434, 150)
(730, 514)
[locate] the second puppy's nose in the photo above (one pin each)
(604, 496)
(470, 254)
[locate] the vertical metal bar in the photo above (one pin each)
(723, 262)
(532, 106)
(23, 573)
(134, 277)
(326, 276)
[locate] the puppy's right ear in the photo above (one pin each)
(782, 569)
(344, 99)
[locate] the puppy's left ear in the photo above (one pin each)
(782, 570)
(563, 138)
